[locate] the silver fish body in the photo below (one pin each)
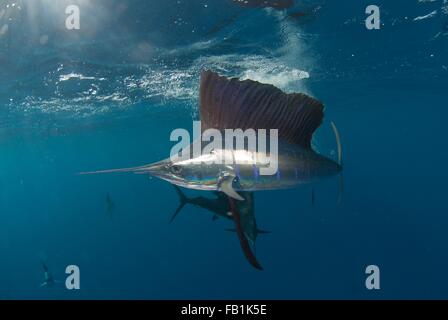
(295, 166)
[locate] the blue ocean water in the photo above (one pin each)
(109, 94)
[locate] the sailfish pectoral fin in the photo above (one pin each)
(225, 185)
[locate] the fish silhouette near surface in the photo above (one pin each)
(230, 103)
(276, 4)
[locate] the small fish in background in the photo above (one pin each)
(110, 206)
(276, 4)
(261, 4)
(305, 15)
(297, 15)
(49, 280)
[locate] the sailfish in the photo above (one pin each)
(231, 103)
(219, 207)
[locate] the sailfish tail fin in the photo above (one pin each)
(338, 142)
(341, 177)
(183, 201)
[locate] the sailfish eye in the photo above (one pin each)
(176, 169)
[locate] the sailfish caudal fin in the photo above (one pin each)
(338, 142)
(341, 177)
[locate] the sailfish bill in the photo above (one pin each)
(140, 169)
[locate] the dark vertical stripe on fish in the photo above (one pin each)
(237, 170)
(256, 172)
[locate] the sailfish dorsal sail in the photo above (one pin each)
(243, 104)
